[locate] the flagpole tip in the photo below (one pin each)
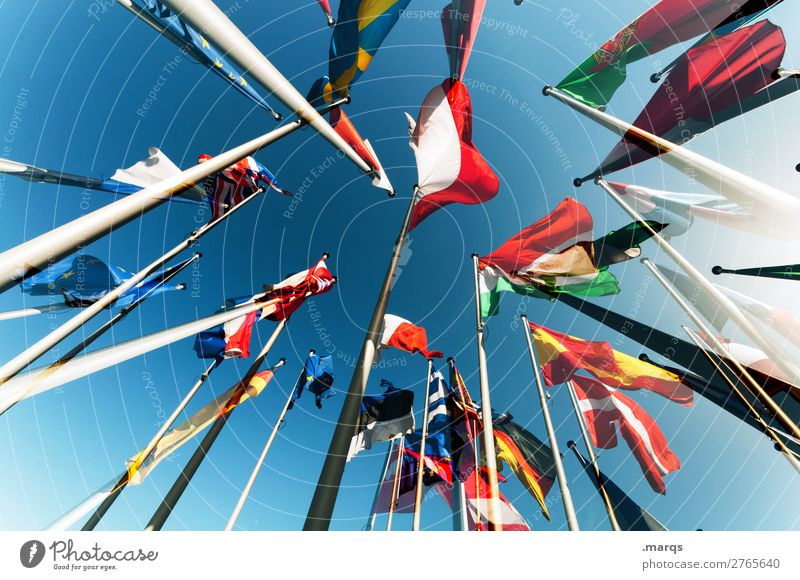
(474, 255)
(325, 255)
(331, 21)
(281, 361)
(311, 351)
(519, 2)
(277, 116)
(547, 88)
(392, 193)
(716, 270)
(797, 167)
(451, 360)
(570, 443)
(655, 77)
(577, 182)
(198, 255)
(181, 286)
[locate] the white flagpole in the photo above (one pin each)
(493, 517)
(725, 303)
(36, 350)
(421, 462)
(207, 18)
(34, 255)
(373, 515)
(396, 482)
(259, 462)
(460, 523)
(759, 391)
(566, 496)
(32, 311)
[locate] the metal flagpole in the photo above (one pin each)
(125, 479)
(780, 445)
(396, 483)
(249, 485)
(322, 504)
(373, 514)
(459, 507)
(32, 311)
(725, 303)
(471, 429)
(759, 391)
(490, 455)
(204, 16)
(566, 497)
(36, 350)
(421, 462)
(612, 517)
(182, 482)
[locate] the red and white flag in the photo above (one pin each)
(476, 489)
(342, 124)
(603, 406)
(400, 333)
(450, 169)
(287, 296)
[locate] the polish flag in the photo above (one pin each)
(603, 406)
(449, 167)
(400, 333)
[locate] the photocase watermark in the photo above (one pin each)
(487, 22)
(161, 80)
(14, 125)
(308, 181)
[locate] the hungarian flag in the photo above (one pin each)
(400, 333)
(229, 340)
(709, 85)
(460, 22)
(239, 181)
(561, 355)
(383, 417)
(604, 407)
(450, 169)
(287, 296)
(556, 254)
(667, 23)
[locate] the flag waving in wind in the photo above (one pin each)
(400, 333)
(317, 378)
(460, 22)
(288, 295)
(383, 417)
(229, 340)
(450, 168)
(438, 466)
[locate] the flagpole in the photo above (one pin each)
(373, 514)
(39, 348)
(32, 311)
(207, 18)
(421, 463)
(170, 500)
(788, 272)
(396, 482)
(780, 445)
(612, 517)
(723, 301)
(125, 479)
(492, 513)
(471, 429)
(459, 507)
(249, 486)
(760, 393)
(330, 477)
(566, 497)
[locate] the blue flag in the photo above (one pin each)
(438, 460)
(317, 377)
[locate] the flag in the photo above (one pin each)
(787, 272)
(361, 27)
(508, 453)
(460, 22)
(476, 489)
(438, 465)
(561, 355)
(140, 466)
(326, 8)
(555, 254)
(631, 517)
(623, 244)
(404, 496)
(667, 23)
(383, 417)
(317, 377)
(465, 426)
(400, 333)
(342, 124)
(233, 185)
(83, 279)
(709, 85)
(450, 169)
(229, 340)
(604, 407)
(288, 295)
(190, 41)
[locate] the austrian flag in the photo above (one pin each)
(450, 169)
(400, 333)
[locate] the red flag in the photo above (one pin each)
(603, 406)
(342, 124)
(288, 295)
(460, 22)
(400, 333)
(326, 8)
(450, 168)
(476, 489)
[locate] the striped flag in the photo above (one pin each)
(400, 333)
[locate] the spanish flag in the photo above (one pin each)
(560, 355)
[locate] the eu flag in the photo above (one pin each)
(317, 377)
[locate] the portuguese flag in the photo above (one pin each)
(667, 23)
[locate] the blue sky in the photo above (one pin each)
(79, 75)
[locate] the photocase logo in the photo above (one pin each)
(31, 553)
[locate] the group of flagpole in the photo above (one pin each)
(415, 527)
(373, 514)
(398, 470)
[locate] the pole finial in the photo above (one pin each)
(311, 351)
(570, 443)
(547, 88)
(717, 270)
(577, 182)
(325, 255)
(474, 255)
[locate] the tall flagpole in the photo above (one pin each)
(421, 463)
(206, 17)
(471, 429)
(757, 389)
(492, 513)
(259, 462)
(372, 513)
(321, 509)
(723, 301)
(125, 479)
(39, 348)
(566, 496)
(612, 517)
(780, 445)
(170, 500)
(32, 311)
(459, 507)
(396, 483)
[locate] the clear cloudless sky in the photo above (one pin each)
(86, 88)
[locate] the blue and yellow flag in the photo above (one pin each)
(360, 29)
